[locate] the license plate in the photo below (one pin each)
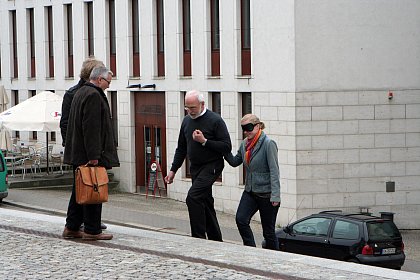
(388, 251)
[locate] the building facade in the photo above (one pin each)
(336, 82)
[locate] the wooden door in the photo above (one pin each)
(150, 133)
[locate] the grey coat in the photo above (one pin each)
(262, 173)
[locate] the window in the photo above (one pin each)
(216, 106)
(246, 108)
(186, 36)
(31, 35)
(136, 37)
(50, 42)
(15, 101)
(345, 230)
(245, 37)
(14, 44)
(215, 37)
(382, 230)
(160, 39)
(312, 226)
(187, 162)
(112, 37)
(114, 113)
(69, 39)
(33, 135)
(90, 35)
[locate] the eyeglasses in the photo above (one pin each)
(189, 108)
(248, 127)
(106, 80)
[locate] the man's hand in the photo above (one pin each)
(93, 162)
(170, 177)
(198, 136)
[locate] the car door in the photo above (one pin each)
(345, 240)
(308, 237)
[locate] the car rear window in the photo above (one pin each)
(382, 230)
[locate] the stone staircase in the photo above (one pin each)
(51, 180)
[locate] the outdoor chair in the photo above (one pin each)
(55, 160)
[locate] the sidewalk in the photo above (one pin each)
(33, 249)
(162, 215)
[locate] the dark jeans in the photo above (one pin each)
(77, 214)
(248, 206)
(200, 202)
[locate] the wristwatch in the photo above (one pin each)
(204, 143)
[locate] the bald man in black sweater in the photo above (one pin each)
(204, 138)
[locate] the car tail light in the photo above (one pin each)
(367, 250)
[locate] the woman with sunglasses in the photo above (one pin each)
(259, 154)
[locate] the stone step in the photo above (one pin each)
(52, 180)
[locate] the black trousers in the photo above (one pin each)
(200, 202)
(248, 206)
(89, 215)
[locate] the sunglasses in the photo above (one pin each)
(248, 127)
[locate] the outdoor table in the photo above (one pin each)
(12, 160)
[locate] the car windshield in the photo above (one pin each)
(382, 230)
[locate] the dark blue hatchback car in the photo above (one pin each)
(358, 238)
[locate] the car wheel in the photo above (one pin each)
(353, 260)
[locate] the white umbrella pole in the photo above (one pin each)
(48, 170)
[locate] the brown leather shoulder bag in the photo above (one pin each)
(91, 184)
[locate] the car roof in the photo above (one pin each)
(354, 216)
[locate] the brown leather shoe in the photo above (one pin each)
(100, 236)
(71, 234)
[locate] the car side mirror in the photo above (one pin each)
(287, 229)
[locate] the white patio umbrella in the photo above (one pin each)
(4, 99)
(5, 138)
(39, 113)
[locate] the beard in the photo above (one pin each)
(196, 115)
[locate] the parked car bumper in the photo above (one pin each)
(390, 261)
(3, 194)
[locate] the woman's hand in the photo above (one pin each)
(275, 203)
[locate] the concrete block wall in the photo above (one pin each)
(348, 167)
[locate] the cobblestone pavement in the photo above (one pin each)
(32, 249)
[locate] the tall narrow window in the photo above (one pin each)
(136, 37)
(186, 36)
(215, 37)
(246, 108)
(31, 28)
(112, 39)
(14, 44)
(160, 39)
(114, 113)
(15, 101)
(216, 106)
(245, 37)
(0, 59)
(69, 34)
(50, 43)
(33, 134)
(90, 37)
(187, 161)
